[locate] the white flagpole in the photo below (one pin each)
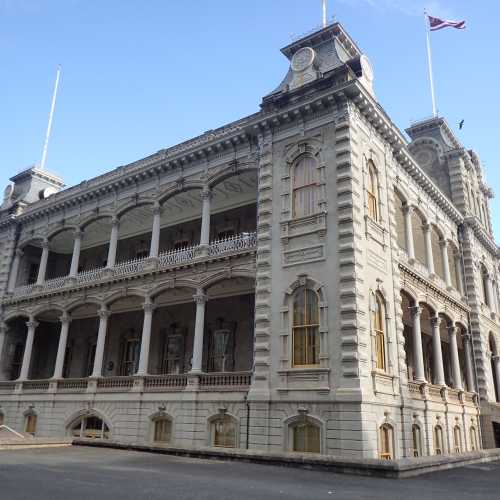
(324, 13)
(51, 115)
(429, 61)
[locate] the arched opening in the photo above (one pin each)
(473, 438)
(95, 244)
(386, 437)
(484, 281)
(445, 350)
(454, 262)
(416, 434)
(60, 254)
(400, 207)
(372, 191)
(30, 263)
(437, 240)
(418, 223)
(223, 431)
(438, 440)
(135, 233)
(427, 346)
(305, 436)
(379, 327)
(407, 303)
(493, 355)
(162, 429)
(89, 426)
(457, 439)
(13, 352)
(304, 187)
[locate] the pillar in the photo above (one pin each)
(437, 354)
(42, 269)
(28, 348)
(3, 336)
(446, 264)
(113, 242)
(428, 248)
(410, 247)
(61, 349)
(489, 293)
(206, 197)
(155, 232)
(200, 298)
(146, 337)
(469, 369)
(14, 271)
(417, 345)
(101, 341)
(496, 365)
(455, 360)
(77, 244)
(460, 274)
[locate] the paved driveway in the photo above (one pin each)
(91, 473)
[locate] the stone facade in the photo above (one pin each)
(303, 279)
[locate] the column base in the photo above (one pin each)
(202, 250)
(92, 385)
(193, 381)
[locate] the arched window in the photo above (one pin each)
(457, 439)
(372, 191)
(386, 442)
(223, 432)
(473, 439)
(438, 440)
(418, 224)
(89, 427)
(493, 353)
(305, 437)
(162, 430)
(400, 208)
(305, 328)
(305, 187)
(417, 440)
(30, 423)
(378, 325)
(484, 281)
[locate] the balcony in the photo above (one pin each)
(167, 260)
(204, 382)
(438, 394)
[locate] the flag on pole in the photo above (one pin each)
(436, 24)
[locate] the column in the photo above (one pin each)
(469, 369)
(496, 364)
(146, 337)
(43, 263)
(455, 361)
(155, 232)
(428, 248)
(101, 341)
(28, 348)
(200, 298)
(113, 242)
(446, 264)
(61, 349)
(460, 274)
(437, 352)
(206, 197)
(3, 336)
(15, 270)
(77, 244)
(489, 293)
(417, 345)
(410, 247)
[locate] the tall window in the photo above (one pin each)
(31, 421)
(417, 440)
(224, 432)
(372, 191)
(438, 440)
(386, 442)
(473, 439)
(130, 358)
(305, 329)
(457, 439)
(305, 187)
(162, 430)
(306, 438)
(378, 322)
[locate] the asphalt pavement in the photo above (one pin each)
(78, 473)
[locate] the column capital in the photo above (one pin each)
(65, 318)
(416, 310)
(156, 208)
(443, 243)
(407, 209)
(103, 313)
(206, 193)
(436, 321)
(78, 232)
(19, 252)
(468, 337)
(453, 329)
(115, 221)
(200, 297)
(32, 323)
(45, 243)
(426, 226)
(149, 306)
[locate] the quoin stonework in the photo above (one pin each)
(305, 279)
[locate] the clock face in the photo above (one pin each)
(303, 58)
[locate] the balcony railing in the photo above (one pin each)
(170, 258)
(225, 380)
(159, 383)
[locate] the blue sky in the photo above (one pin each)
(138, 76)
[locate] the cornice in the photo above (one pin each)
(474, 223)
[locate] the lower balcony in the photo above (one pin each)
(204, 382)
(435, 393)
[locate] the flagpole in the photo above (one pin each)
(51, 115)
(429, 62)
(324, 13)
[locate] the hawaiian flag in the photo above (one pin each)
(438, 24)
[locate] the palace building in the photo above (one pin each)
(305, 279)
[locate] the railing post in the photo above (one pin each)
(28, 348)
(101, 341)
(61, 349)
(15, 270)
(75, 258)
(113, 242)
(146, 337)
(200, 298)
(155, 232)
(42, 269)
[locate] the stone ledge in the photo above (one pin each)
(20, 444)
(395, 469)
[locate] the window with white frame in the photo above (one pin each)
(304, 187)
(473, 438)
(386, 442)
(162, 430)
(457, 439)
(378, 326)
(416, 433)
(305, 328)
(223, 431)
(438, 440)
(305, 437)
(372, 192)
